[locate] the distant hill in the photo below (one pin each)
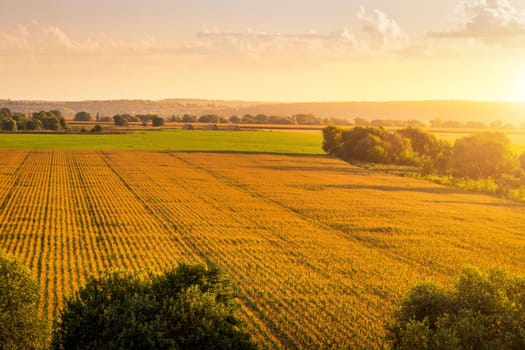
(509, 112)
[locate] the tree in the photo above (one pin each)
(434, 154)
(83, 117)
(19, 324)
(483, 155)
(51, 120)
(485, 310)
(120, 120)
(187, 118)
(332, 140)
(190, 307)
(5, 113)
(307, 119)
(33, 124)
(209, 118)
(157, 121)
(96, 129)
(234, 119)
(522, 160)
(8, 125)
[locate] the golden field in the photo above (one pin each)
(320, 251)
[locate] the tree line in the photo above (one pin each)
(121, 119)
(14, 121)
(483, 155)
(297, 119)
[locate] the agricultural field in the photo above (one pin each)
(320, 251)
(181, 140)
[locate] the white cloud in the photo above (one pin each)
(485, 19)
(383, 31)
(54, 40)
(380, 33)
(260, 45)
(16, 40)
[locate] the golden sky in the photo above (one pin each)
(286, 50)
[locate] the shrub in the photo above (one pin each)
(482, 155)
(96, 129)
(190, 307)
(483, 311)
(83, 117)
(19, 324)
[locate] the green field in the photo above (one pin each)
(173, 140)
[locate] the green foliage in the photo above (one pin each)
(5, 113)
(51, 120)
(157, 121)
(433, 154)
(33, 124)
(187, 118)
(190, 307)
(96, 129)
(307, 119)
(120, 120)
(8, 125)
(484, 311)
(83, 117)
(332, 140)
(209, 118)
(19, 324)
(369, 144)
(482, 155)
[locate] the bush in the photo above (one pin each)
(96, 129)
(8, 125)
(482, 155)
(19, 324)
(157, 121)
(190, 307)
(484, 311)
(83, 117)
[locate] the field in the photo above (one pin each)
(181, 140)
(320, 251)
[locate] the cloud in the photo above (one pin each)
(486, 19)
(259, 45)
(379, 33)
(16, 40)
(54, 40)
(383, 31)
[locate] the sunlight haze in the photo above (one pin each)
(265, 51)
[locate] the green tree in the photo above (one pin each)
(433, 154)
(187, 118)
(120, 120)
(332, 140)
(209, 118)
(5, 113)
(483, 155)
(83, 117)
(20, 327)
(8, 125)
(96, 129)
(157, 121)
(190, 307)
(33, 124)
(485, 310)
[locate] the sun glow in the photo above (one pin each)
(517, 86)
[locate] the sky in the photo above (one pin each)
(287, 50)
